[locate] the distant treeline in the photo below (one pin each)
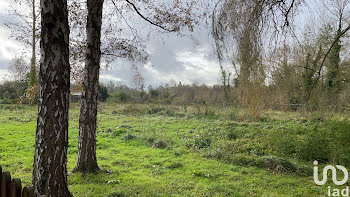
(283, 94)
(11, 91)
(176, 94)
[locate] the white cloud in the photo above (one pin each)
(4, 75)
(108, 77)
(8, 48)
(3, 7)
(199, 67)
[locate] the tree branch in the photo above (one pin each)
(286, 23)
(324, 60)
(146, 19)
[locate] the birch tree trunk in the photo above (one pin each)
(87, 162)
(50, 159)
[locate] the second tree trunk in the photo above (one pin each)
(87, 162)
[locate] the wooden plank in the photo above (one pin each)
(12, 190)
(28, 191)
(5, 181)
(16, 190)
(0, 178)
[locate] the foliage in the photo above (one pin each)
(33, 77)
(11, 91)
(30, 95)
(158, 162)
(102, 93)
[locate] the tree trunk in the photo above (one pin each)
(32, 74)
(33, 36)
(51, 143)
(87, 162)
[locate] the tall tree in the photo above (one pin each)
(51, 143)
(237, 28)
(339, 14)
(87, 161)
(309, 71)
(340, 10)
(32, 74)
(26, 30)
(169, 20)
(334, 64)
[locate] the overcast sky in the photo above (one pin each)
(171, 58)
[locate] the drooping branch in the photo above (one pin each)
(286, 15)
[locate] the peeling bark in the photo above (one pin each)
(51, 143)
(87, 162)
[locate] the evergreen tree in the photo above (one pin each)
(102, 93)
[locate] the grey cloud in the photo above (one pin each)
(164, 60)
(164, 63)
(4, 64)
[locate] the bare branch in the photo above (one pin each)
(147, 19)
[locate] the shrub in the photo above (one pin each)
(129, 136)
(202, 142)
(231, 134)
(314, 146)
(153, 109)
(150, 141)
(339, 140)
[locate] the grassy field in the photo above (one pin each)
(149, 150)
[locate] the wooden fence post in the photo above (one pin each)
(5, 183)
(13, 188)
(16, 188)
(0, 178)
(28, 192)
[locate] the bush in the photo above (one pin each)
(314, 146)
(10, 91)
(119, 96)
(231, 134)
(339, 141)
(129, 136)
(202, 142)
(154, 109)
(150, 141)
(318, 139)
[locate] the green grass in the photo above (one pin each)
(147, 150)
